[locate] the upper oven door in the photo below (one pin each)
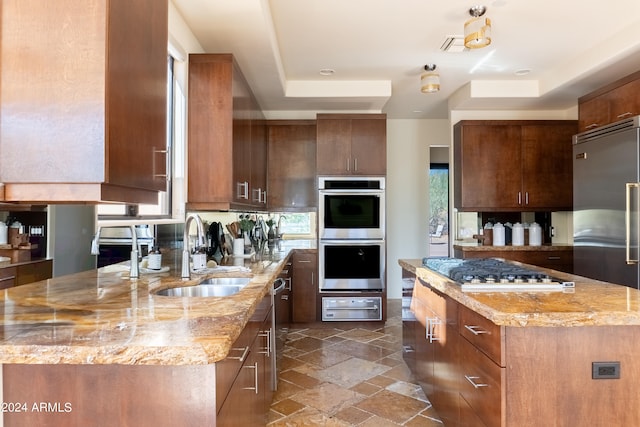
(351, 214)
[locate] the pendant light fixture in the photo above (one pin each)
(430, 79)
(477, 30)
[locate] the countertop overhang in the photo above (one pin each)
(590, 303)
(102, 317)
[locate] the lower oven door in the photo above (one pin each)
(352, 265)
(351, 308)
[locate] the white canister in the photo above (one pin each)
(3, 233)
(238, 246)
(498, 234)
(199, 261)
(535, 234)
(517, 238)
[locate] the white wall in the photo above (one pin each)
(408, 143)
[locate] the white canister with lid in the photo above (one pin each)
(535, 234)
(3, 233)
(517, 238)
(498, 234)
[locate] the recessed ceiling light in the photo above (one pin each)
(522, 72)
(327, 72)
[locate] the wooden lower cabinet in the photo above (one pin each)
(477, 373)
(34, 271)
(246, 401)
(561, 260)
(7, 277)
(233, 392)
(23, 273)
(304, 287)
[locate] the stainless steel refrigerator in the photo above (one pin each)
(606, 202)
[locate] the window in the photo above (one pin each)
(300, 224)
(438, 209)
(175, 126)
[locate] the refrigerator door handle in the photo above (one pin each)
(629, 222)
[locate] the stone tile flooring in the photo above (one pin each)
(349, 374)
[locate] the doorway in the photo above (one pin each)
(439, 201)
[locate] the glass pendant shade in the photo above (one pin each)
(429, 80)
(477, 32)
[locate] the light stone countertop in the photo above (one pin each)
(102, 317)
(592, 302)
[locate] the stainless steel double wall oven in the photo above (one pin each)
(352, 246)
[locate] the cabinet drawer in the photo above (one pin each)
(483, 333)
(305, 258)
(481, 385)
(443, 307)
(7, 277)
(548, 259)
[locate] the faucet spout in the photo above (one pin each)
(134, 272)
(186, 270)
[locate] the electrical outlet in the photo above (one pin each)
(605, 370)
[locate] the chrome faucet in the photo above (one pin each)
(200, 241)
(134, 272)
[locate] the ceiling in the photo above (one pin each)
(378, 49)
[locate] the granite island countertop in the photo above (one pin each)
(102, 316)
(591, 303)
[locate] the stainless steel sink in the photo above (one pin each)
(215, 287)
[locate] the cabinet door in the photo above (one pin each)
(487, 167)
(424, 357)
(243, 406)
(369, 146)
(547, 166)
(334, 147)
(241, 186)
(624, 101)
(292, 165)
(258, 160)
(593, 113)
(447, 374)
(305, 288)
(104, 120)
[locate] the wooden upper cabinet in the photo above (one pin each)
(227, 140)
(292, 165)
(351, 144)
(83, 100)
(624, 101)
(593, 113)
(547, 165)
(487, 166)
(513, 165)
(616, 101)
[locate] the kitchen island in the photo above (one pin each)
(566, 358)
(98, 348)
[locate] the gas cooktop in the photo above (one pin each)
(489, 274)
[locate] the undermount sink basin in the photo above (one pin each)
(216, 287)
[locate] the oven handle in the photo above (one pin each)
(351, 191)
(351, 242)
(375, 307)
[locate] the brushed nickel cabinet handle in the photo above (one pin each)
(473, 383)
(475, 330)
(255, 377)
(244, 351)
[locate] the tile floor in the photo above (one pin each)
(349, 374)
